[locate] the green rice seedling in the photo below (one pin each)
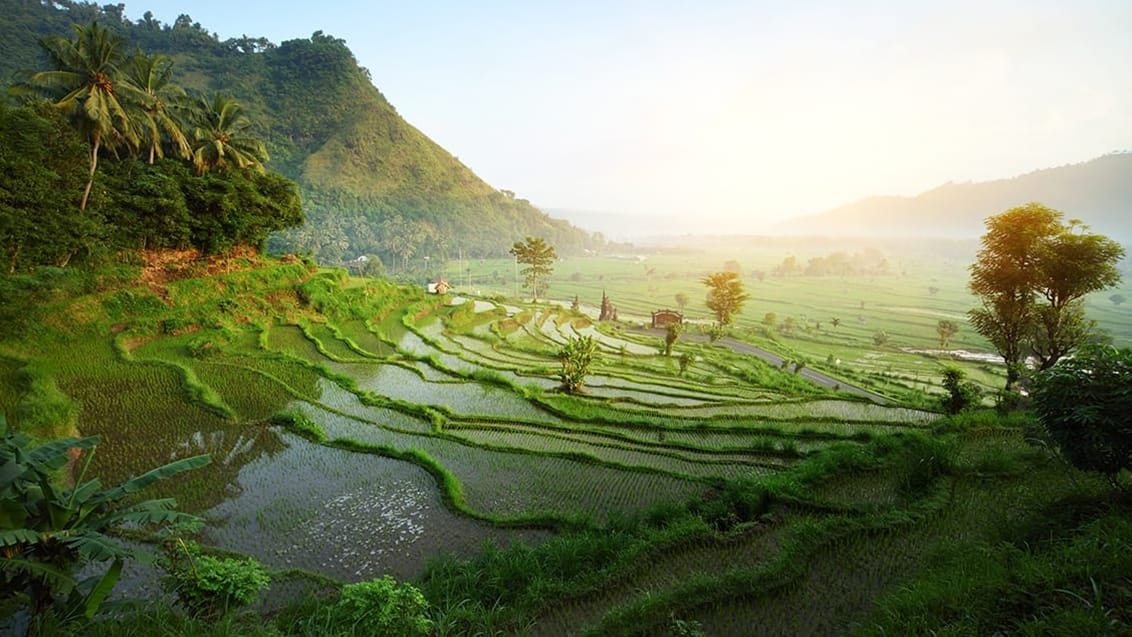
(363, 340)
(37, 405)
(300, 424)
(331, 342)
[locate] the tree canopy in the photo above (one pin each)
(324, 125)
(537, 255)
(132, 107)
(725, 295)
(1031, 275)
(1084, 402)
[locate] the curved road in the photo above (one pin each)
(776, 360)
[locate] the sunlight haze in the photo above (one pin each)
(749, 112)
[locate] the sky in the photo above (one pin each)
(751, 111)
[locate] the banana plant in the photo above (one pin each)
(49, 529)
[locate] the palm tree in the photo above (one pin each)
(151, 74)
(86, 82)
(218, 140)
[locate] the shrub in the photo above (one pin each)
(49, 531)
(1084, 402)
(210, 586)
(960, 396)
(382, 607)
(577, 356)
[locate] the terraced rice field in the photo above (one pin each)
(433, 427)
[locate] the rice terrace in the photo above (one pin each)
(274, 363)
(360, 428)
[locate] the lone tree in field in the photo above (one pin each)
(725, 295)
(1031, 275)
(946, 329)
(1084, 402)
(537, 255)
(577, 355)
(671, 335)
(682, 300)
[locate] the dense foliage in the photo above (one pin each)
(135, 205)
(357, 162)
(577, 356)
(1031, 275)
(1084, 403)
(725, 295)
(47, 530)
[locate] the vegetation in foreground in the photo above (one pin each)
(877, 518)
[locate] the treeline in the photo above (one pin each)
(108, 154)
(401, 231)
(323, 123)
(865, 263)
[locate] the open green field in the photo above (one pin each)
(358, 428)
(925, 283)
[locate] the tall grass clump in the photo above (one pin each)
(300, 424)
(1071, 584)
(44, 411)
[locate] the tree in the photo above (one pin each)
(577, 355)
(946, 329)
(1083, 402)
(1030, 275)
(219, 138)
(960, 395)
(537, 255)
(671, 334)
(86, 82)
(152, 75)
(682, 300)
(836, 322)
(41, 176)
(725, 295)
(880, 339)
(47, 530)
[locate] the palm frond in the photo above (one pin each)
(136, 484)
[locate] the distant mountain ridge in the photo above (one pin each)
(1099, 192)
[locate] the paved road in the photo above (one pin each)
(776, 360)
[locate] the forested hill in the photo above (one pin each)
(371, 183)
(1099, 192)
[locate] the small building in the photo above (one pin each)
(661, 319)
(438, 286)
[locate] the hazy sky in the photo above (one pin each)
(758, 110)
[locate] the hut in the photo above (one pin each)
(661, 319)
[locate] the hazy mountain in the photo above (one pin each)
(1099, 192)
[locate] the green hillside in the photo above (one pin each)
(359, 165)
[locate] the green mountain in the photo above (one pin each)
(371, 183)
(1099, 192)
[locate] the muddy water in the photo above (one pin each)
(347, 515)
